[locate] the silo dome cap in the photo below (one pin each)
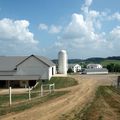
(63, 51)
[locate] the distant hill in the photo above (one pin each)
(103, 61)
(114, 58)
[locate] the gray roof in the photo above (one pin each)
(46, 60)
(9, 63)
(20, 77)
(96, 70)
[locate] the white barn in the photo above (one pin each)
(94, 66)
(75, 67)
(21, 71)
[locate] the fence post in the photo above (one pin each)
(53, 86)
(41, 90)
(29, 94)
(10, 96)
(50, 88)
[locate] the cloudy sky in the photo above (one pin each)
(85, 28)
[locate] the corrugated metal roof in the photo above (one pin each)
(8, 63)
(7, 73)
(46, 60)
(20, 77)
(96, 70)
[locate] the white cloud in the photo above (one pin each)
(115, 16)
(55, 29)
(43, 26)
(114, 40)
(83, 35)
(88, 2)
(86, 5)
(15, 37)
(115, 33)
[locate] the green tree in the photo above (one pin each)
(70, 70)
(113, 67)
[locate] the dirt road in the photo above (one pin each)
(78, 96)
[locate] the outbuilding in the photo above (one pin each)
(94, 66)
(75, 67)
(95, 71)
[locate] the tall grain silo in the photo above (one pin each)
(62, 62)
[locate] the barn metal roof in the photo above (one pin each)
(20, 77)
(96, 70)
(9, 63)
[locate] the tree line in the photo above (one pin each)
(112, 67)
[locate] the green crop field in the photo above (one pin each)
(106, 62)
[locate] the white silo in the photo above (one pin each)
(62, 62)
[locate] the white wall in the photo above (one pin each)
(94, 66)
(52, 71)
(77, 68)
(32, 66)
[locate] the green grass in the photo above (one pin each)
(28, 104)
(4, 99)
(107, 99)
(98, 109)
(21, 102)
(60, 82)
(106, 62)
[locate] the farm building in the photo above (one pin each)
(94, 66)
(75, 67)
(21, 71)
(95, 71)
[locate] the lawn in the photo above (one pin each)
(60, 82)
(21, 102)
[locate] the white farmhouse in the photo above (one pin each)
(75, 67)
(94, 66)
(21, 71)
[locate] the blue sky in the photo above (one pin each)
(85, 28)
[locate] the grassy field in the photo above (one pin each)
(16, 98)
(106, 62)
(25, 104)
(60, 82)
(21, 102)
(105, 106)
